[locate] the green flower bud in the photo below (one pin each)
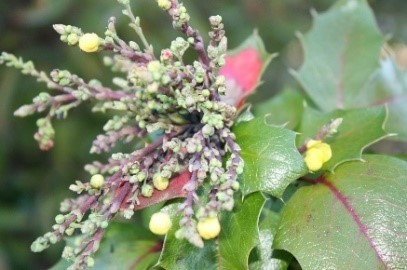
(235, 185)
(96, 181)
(164, 4)
(59, 219)
(147, 190)
(154, 66)
(90, 262)
(72, 39)
(141, 176)
(53, 239)
(159, 182)
(69, 231)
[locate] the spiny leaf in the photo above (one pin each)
(388, 86)
(271, 159)
(268, 258)
(284, 109)
(341, 53)
(240, 232)
(353, 219)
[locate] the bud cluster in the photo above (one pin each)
(163, 95)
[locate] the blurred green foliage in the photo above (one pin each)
(32, 183)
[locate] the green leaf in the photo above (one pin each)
(388, 86)
(125, 246)
(271, 159)
(239, 235)
(341, 53)
(285, 109)
(359, 129)
(267, 256)
(353, 219)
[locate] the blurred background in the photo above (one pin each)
(32, 182)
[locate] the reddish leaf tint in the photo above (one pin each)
(174, 190)
(242, 72)
(355, 216)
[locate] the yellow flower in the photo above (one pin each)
(314, 159)
(159, 182)
(208, 228)
(317, 154)
(160, 223)
(89, 42)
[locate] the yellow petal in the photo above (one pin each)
(314, 159)
(312, 143)
(326, 151)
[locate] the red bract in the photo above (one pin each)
(242, 72)
(174, 190)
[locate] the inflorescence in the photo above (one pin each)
(181, 101)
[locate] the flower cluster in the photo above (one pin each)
(195, 151)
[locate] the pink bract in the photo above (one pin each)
(242, 70)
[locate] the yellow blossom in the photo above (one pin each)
(208, 228)
(159, 182)
(160, 223)
(317, 154)
(313, 158)
(89, 42)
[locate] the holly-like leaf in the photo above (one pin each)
(359, 129)
(267, 256)
(271, 159)
(341, 53)
(388, 86)
(243, 69)
(239, 235)
(285, 109)
(353, 219)
(125, 246)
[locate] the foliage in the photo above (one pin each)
(347, 213)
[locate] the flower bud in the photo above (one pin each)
(159, 182)
(59, 28)
(208, 228)
(89, 42)
(90, 262)
(160, 223)
(97, 180)
(59, 219)
(147, 190)
(164, 4)
(72, 39)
